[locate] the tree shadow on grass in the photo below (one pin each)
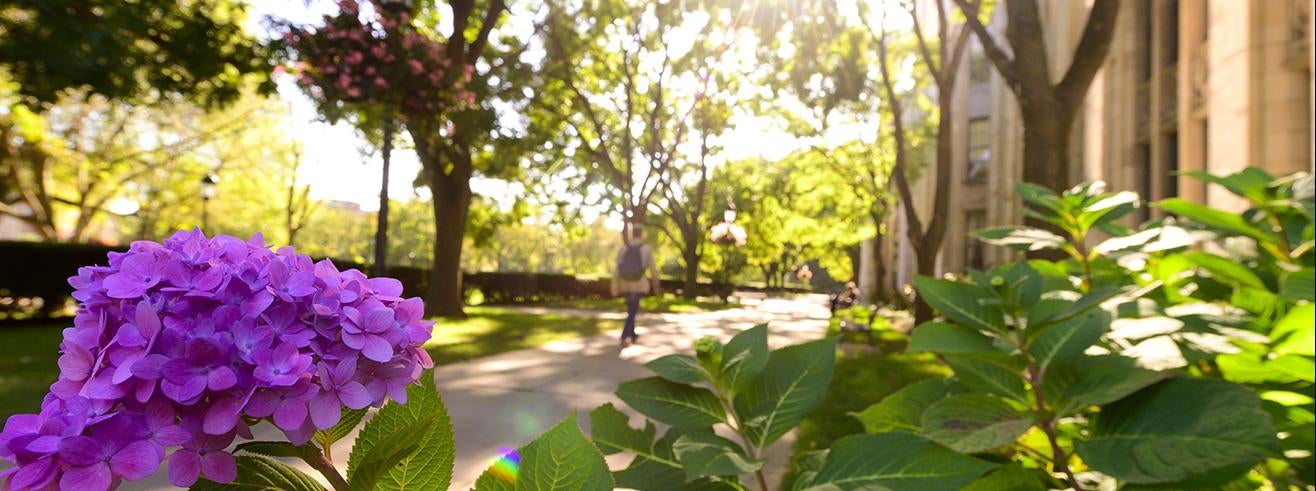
(491, 330)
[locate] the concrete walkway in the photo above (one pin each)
(505, 400)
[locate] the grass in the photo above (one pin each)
(28, 354)
(862, 378)
(27, 367)
(666, 304)
(492, 330)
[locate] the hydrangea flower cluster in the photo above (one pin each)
(185, 344)
(354, 61)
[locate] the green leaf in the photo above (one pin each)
(744, 357)
(940, 337)
(662, 472)
(682, 369)
(350, 419)
(262, 473)
(430, 466)
(971, 423)
(999, 374)
(1251, 368)
(1084, 303)
(1010, 477)
(1207, 430)
(1067, 339)
(397, 444)
(896, 462)
(279, 449)
(962, 303)
(1107, 209)
(903, 410)
(791, 384)
(1216, 219)
(560, 459)
(1038, 195)
(1073, 385)
(1295, 333)
(611, 431)
(1299, 285)
(1249, 183)
(1022, 238)
(704, 454)
(1225, 270)
(678, 405)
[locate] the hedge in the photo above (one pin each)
(34, 280)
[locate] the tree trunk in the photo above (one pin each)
(452, 202)
(1046, 145)
(690, 256)
(380, 267)
(878, 293)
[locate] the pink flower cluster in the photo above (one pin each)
(184, 343)
(382, 61)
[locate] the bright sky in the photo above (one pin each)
(337, 167)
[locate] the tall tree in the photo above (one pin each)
(941, 57)
(1047, 107)
(636, 92)
(443, 88)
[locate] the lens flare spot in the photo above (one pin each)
(506, 467)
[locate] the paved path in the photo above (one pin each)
(505, 400)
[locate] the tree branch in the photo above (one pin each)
(1090, 54)
(1005, 64)
(496, 8)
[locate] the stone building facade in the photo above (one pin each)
(1213, 85)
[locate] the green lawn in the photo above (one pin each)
(491, 330)
(666, 304)
(862, 377)
(28, 354)
(27, 367)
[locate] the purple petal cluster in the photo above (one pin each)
(181, 346)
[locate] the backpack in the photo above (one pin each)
(631, 265)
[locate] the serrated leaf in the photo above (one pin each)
(679, 405)
(941, 337)
(1010, 477)
(350, 419)
(903, 410)
(791, 384)
(704, 454)
(962, 303)
(972, 423)
(744, 356)
(262, 473)
(999, 374)
(430, 466)
(400, 443)
(682, 369)
(611, 431)
(1076, 384)
(278, 449)
(1060, 341)
(560, 459)
(895, 462)
(1208, 430)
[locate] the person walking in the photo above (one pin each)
(634, 277)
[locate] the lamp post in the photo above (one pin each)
(728, 235)
(208, 185)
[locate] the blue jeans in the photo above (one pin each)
(632, 309)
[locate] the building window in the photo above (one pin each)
(979, 70)
(980, 149)
(974, 250)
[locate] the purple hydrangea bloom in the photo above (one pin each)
(174, 343)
